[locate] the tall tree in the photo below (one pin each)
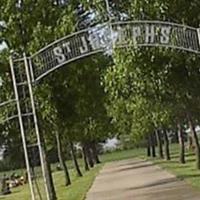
(159, 143)
(74, 158)
(166, 143)
(182, 143)
(62, 160)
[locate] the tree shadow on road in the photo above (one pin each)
(132, 163)
(135, 167)
(155, 184)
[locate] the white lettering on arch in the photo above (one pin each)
(60, 56)
(149, 34)
(165, 35)
(84, 48)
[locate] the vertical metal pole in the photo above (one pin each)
(31, 71)
(22, 128)
(108, 9)
(36, 124)
(109, 21)
(198, 33)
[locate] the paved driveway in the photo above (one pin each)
(139, 180)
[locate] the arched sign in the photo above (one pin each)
(101, 38)
(119, 34)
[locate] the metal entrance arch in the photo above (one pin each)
(105, 37)
(113, 35)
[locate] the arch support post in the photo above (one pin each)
(22, 129)
(31, 137)
(198, 33)
(35, 121)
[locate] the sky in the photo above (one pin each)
(3, 46)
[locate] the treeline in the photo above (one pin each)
(158, 144)
(153, 91)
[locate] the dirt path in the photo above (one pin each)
(139, 180)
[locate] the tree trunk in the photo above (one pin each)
(94, 152)
(62, 161)
(196, 142)
(190, 141)
(76, 165)
(159, 143)
(148, 146)
(176, 137)
(48, 175)
(85, 158)
(166, 143)
(182, 144)
(153, 145)
(89, 156)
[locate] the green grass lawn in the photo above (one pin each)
(80, 186)
(122, 155)
(76, 191)
(187, 171)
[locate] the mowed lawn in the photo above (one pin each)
(187, 172)
(76, 191)
(80, 185)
